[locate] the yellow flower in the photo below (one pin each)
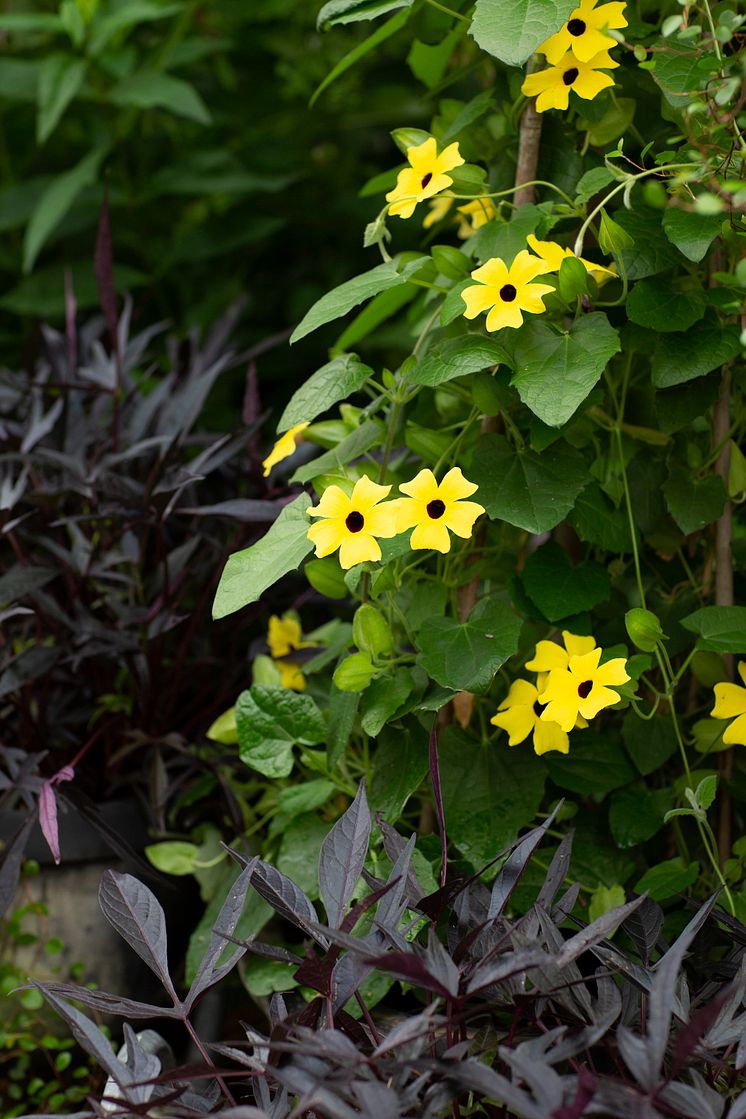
(506, 292)
(438, 208)
(353, 523)
(730, 703)
(425, 176)
(583, 34)
(553, 254)
(552, 86)
(520, 713)
(433, 508)
(284, 447)
(582, 688)
(285, 636)
(549, 655)
(475, 215)
(291, 676)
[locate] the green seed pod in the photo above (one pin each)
(370, 631)
(354, 673)
(644, 629)
(224, 728)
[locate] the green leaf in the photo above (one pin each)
(124, 17)
(558, 588)
(380, 309)
(636, 813)
(335, 381)
(263, 978)
(248, 573)
(429, 62)
(682, 357)
(572, 279)
(298, 799)
(594, 860)
(343, 298)
(298, 857)
(649, 251)
(682, 71)
(173, 856)
(476, 779)
(457, 357)
(649, 742)
(466, 656)
(352, 11)
(149, 90)
(706, 791)
(691, 233)
(614, 122)
(597, 521)
(555, 372)
(591, 183)
(342, 710)
(270, 722)
(383, 699)
(722, 629)
(512, 32)
(351, 447)
(658, 307)
(19, 79)
(56, 201)
(505, 239)
(693, 504)
(595, 765)
(380, 35)
(531, 491)
(668, 878)
(60, 79)
(604, 899)
(400, 765)
(612, 238)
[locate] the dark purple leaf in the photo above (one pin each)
(412, 1028)
(584, 1093)
(557, 873)
(515, 864)
(111, 1004)
(237, 509)
(10, 864)
(512, 963)
(48, 810)
(597, 930)
(287, 899)
(644, 926)
(688, 1039)
(342, 857)
(208, 972)
(103, 266)
(87, 1034)
(136, 914)
(438, 796)
(71, 336)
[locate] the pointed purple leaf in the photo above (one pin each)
(136, 914)
(342, 857)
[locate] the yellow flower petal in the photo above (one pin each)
(477, 299)
(460, 517)
(334, 502)
(422, 156)
(327, 536)
(382, 520)
(366, 493)
(548, 656)
(548, 737)
(284, 447)
(576, 645)
(549, 251)
(291, 676)
(423, 487)
(283, 635)
(526, 268)
(449, 158)
(521, 693)
(455, 486)
(502, 315)
(735, 734)
(612, 672)
(358, 549)
(439, 207)
(494, 272)
(431, 535)
(730, 701)
(598, 698)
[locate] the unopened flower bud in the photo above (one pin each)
(644, 629)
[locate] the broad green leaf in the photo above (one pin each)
(555, 372)
(380, 309)
(591, 183)
(29, 21)
(248, 573)
(429, 62)
(490, 792)
(353, 446)
(668, 878)
(649, 251)
(531, 491)
(270, 722)
(173, 856)
(299, 852)
(380, 35)
(692, 503)
(657, 306)
(125, 16)
(722, 629)
(706, 791)
(400, 765)
(383, 699)
(343, 298)
(480, 104)
(691, 233)
(682, 71)
(150, 90)
(342, 711)
(298, 799)
(558, 588)
(263, 978)
(636, 813)
(595, 765)
(457, 357)
(682, 357)
(512, 31)
(60, 79)
(597, 521)
(335, 381)
(466, 656)
(604, 899)
(352, 11)
(505, 239)
(56, 201)
(649, 742)
(595, 861)
(614, 122)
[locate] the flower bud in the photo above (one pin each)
(370, 631)
(644, 629)
(354, 673)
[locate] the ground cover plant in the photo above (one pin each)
(507, 594)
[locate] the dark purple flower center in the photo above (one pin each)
(354, 521)
(576, 27)
(538, 708)
(436, 508)
(427, 179)
(508, 293)
(584, 689)
(570, 75)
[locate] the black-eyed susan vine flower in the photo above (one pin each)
(520, 714)
(551, 86)
(285, 636)
(353, 523)
(438, 208)
(425, 176)
(473, 215)
(284, 447)
(585, 31)
(553, 254)
(434, 509)
(730, 703)
(505, 292)
(584, 688)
